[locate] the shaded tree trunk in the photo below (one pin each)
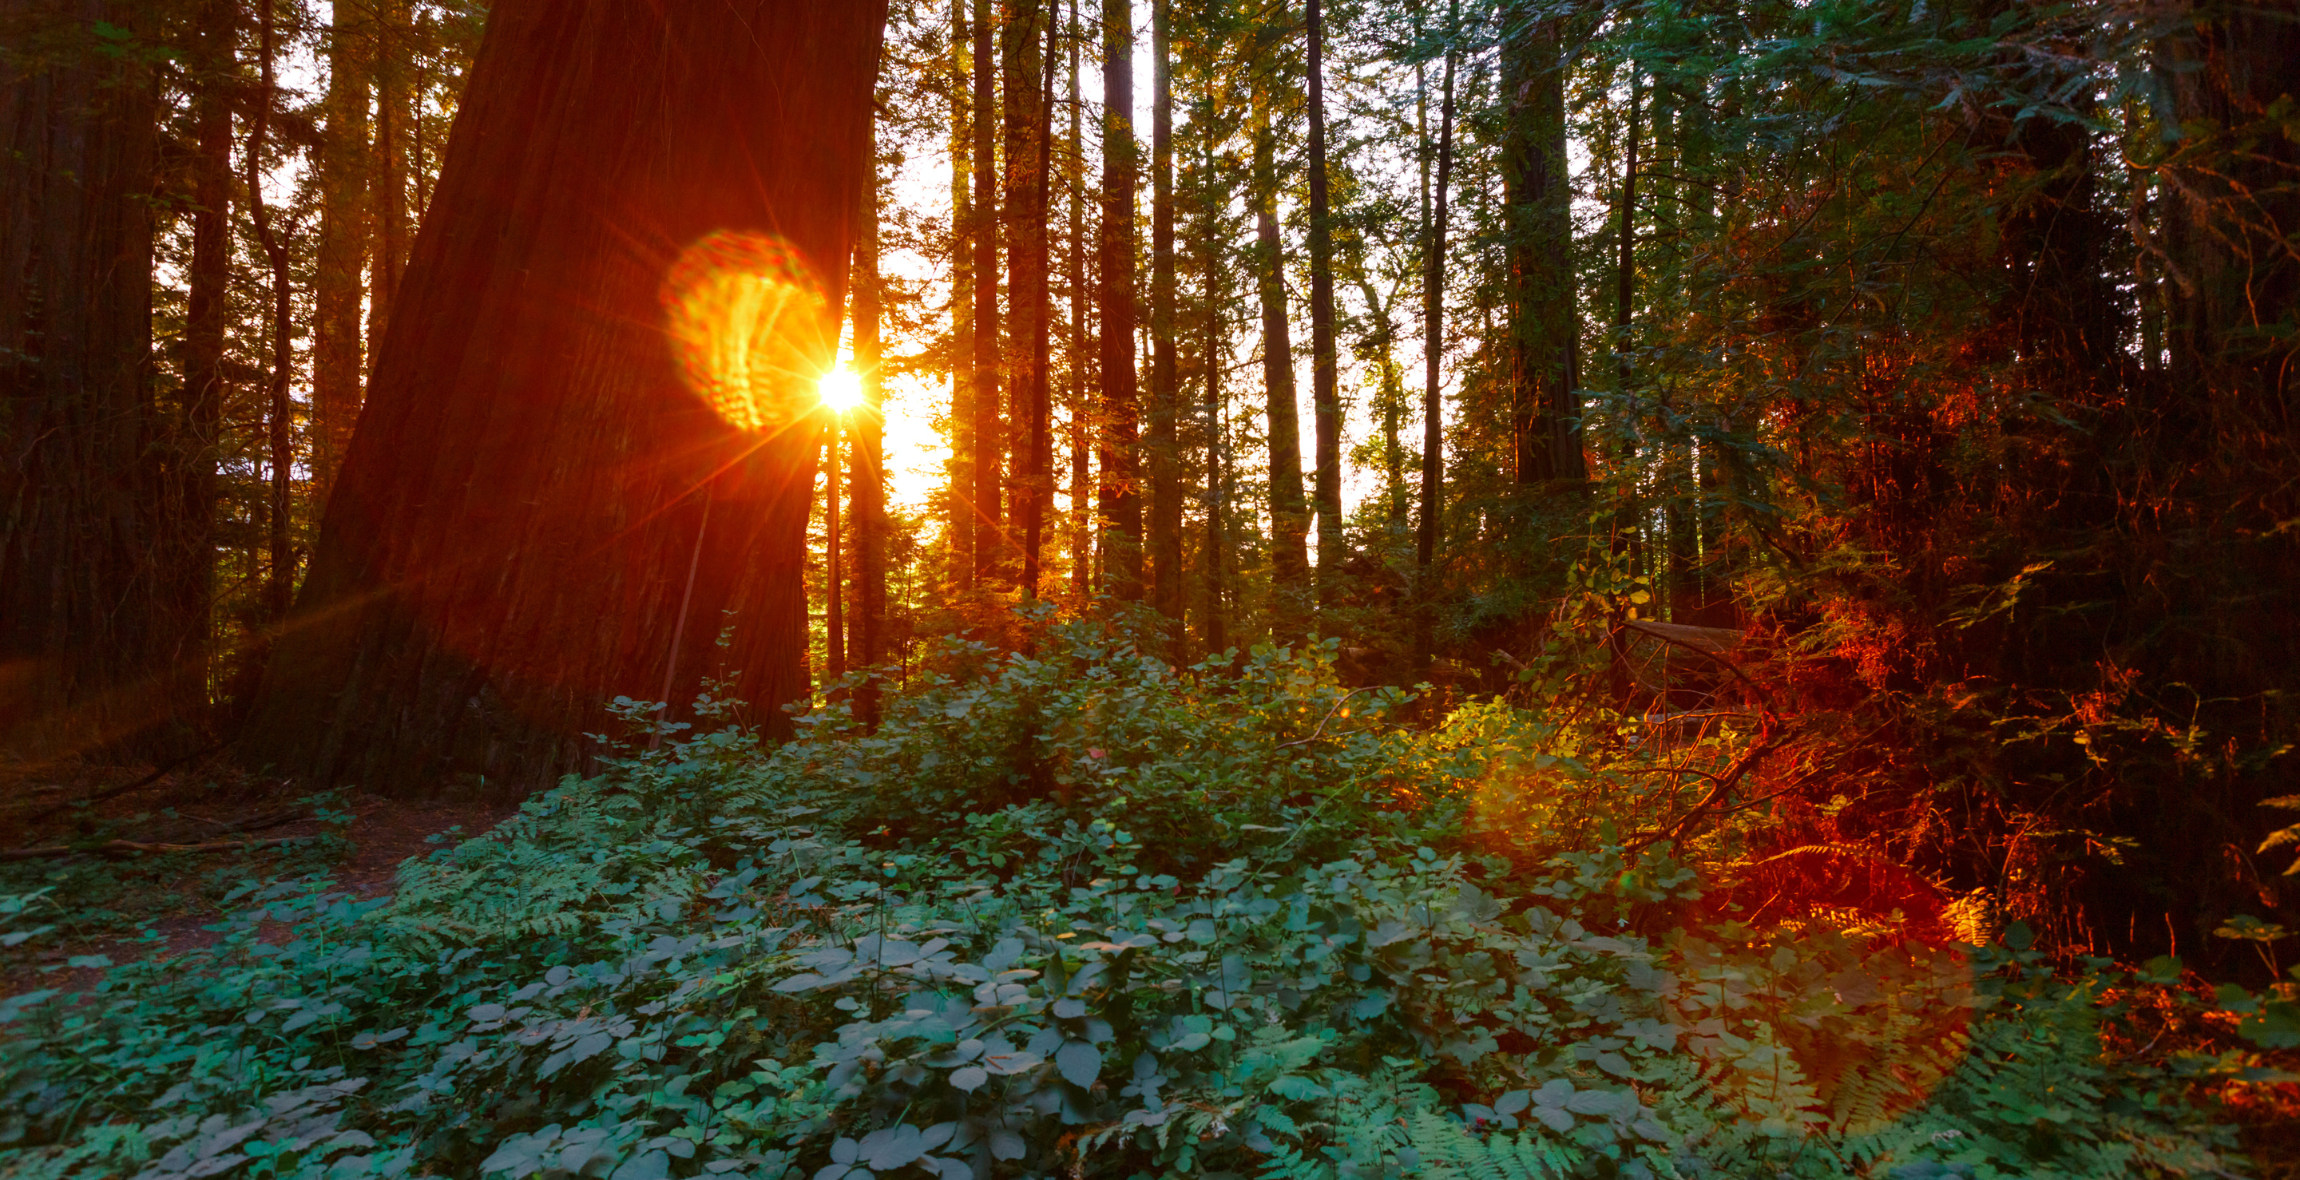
(1325, 390)
(1289, 514)
(1433, 336)
(611, 326)
(394, 45)
(1081, 442)
(1023, 31)
(1119, 497)
(280, 559)
(1545, 413)
(338, 357)
(87, 635)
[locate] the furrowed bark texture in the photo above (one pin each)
(88, 634)
(1119, 498)
(509, 542)
(1544, 412)
(1162, 446)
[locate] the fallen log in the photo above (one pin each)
(131, 847)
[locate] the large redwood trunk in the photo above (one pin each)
(580, 399)
(88, 635)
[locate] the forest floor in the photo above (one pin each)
(105, 905)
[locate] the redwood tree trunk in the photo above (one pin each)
(87, 633)
(582, 363)
(1162, 447)
(1545, 414)
(1325, 376)
(1120, 497)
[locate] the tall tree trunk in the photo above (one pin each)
(1325, 388)
(867, 463)
(85, 633)
(1289, 514)
(394, 49)
(1162, 445)
(280, 561)
(215, 81)
(1210, 249)
(962, 295)
(834, 567)
(989, 433)
(1081, 443)
(1433, 350)
(612, 323)
(1625, 265)
(1545, 413)
(1023, 29)
(338, 354)
(1119, 496)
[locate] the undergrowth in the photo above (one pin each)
(1075, 912)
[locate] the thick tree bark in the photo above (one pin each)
(989, 434)
(1162, 447)
(338, 356)
(1325, 377)
(1289, 513)
(1545, 413)
(88, 636)
(1119, 495)
(612, 325)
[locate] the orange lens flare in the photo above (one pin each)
(750, 328)
(841, 389)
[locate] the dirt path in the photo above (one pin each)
(383, 833)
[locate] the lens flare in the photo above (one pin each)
(749, 326)
(841, 389)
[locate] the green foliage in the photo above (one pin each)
(1076, 913)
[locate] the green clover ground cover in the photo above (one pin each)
(1078, 913)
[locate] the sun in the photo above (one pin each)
(841, 389)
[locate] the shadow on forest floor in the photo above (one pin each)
(139, 905)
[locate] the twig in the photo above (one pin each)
(164, 770)
(131, 847)
(1321, 730)
(1730, 666)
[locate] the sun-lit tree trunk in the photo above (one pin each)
(1325, 377)
(834, 564)
(1289, 513)
(1161, 446)
(87, 636)
(1119, 495)
(1023, 31)
(867, 461)
(1545, 413)
(990, 548)
(1081, 414)
(280, 561)
(1625, 239)
(1216, 628)
(962, 229)
(594, 416)
(338, 353)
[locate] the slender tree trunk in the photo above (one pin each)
(989, 433)
(1325, 378)
(1210, 249)
(1081, 449)
(834, 569)
(280, 564)
(207, 316)
(1023, 30)
(1433, 350)
(338, 355)
(612, 323)
(1164, 448)
(867, 463)
(1545, 412)
(1120, 496)
(1289, 514)
(86, 634)
(394, 47)
(1625, 266)
(962, 296)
